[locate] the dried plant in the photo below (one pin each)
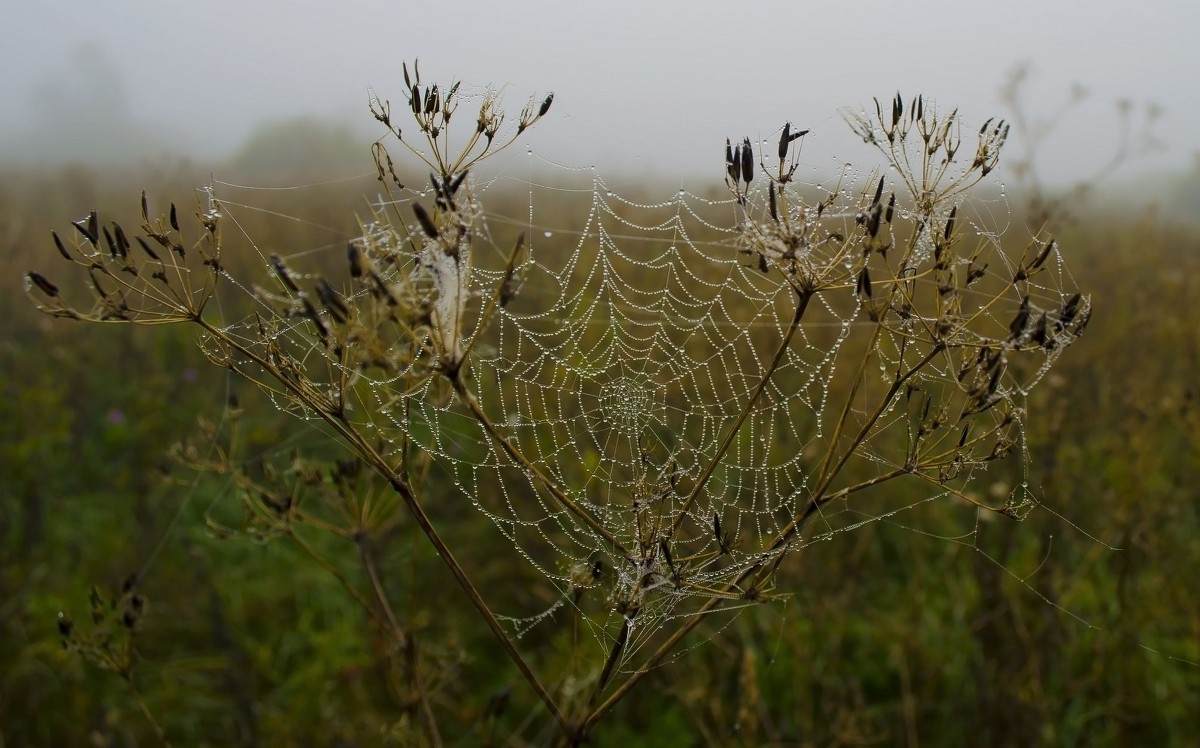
(658, 462)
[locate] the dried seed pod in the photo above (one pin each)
(1021, 320)
(145, 207)
(174, 218)
(733, 162)
(863, 287)
(891, 208)
(311, 312)
(1070, 309)
(872, 220)
(284, 276)
(747, 161)
(426, 222)
(950, 224)
(332, 301)
(771, 201)
(108, 241)
(62, 249)
(146, 248)
(356, 261)
(974, 272)
(44, 285)
(123, 244)
(87, 228)
(878, 192)
(545, 107)
(1040, 259)
(784, 140)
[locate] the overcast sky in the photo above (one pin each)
(639, 86)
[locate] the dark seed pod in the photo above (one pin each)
(426, 222)
(311, 312)
(146, 248)
(784, 140)
(332, 301)
(123, 244)
(62, 249)
(1042, 255)
(174, 218)
(771, 201)
(975, 273)
(1070, 309)
(415, 99)
(950, 223)
(284, 276)
(863, 288)
(44, 285)
(65, 626)
(1041, 332)
(962, 440)
(456, 183)
(145, 207)
(747, 161)
(108, 241)
(87, 227)
(733, 162)
(1021, 320)
(873, 220)
(878, 192)
(891, 208)
(355, 258)
(545, 107)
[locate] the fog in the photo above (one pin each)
(640, 87)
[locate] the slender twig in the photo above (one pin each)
(355, 440)
(803, 297)
(402, 636)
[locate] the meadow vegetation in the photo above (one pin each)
(183, 560)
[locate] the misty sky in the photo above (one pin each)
(639, 86)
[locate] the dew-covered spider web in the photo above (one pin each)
(665, 394)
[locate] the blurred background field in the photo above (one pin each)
(1078, 626)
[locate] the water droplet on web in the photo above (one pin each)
(548, 234)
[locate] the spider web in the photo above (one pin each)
(644, 437)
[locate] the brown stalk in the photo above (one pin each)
(400, 485)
